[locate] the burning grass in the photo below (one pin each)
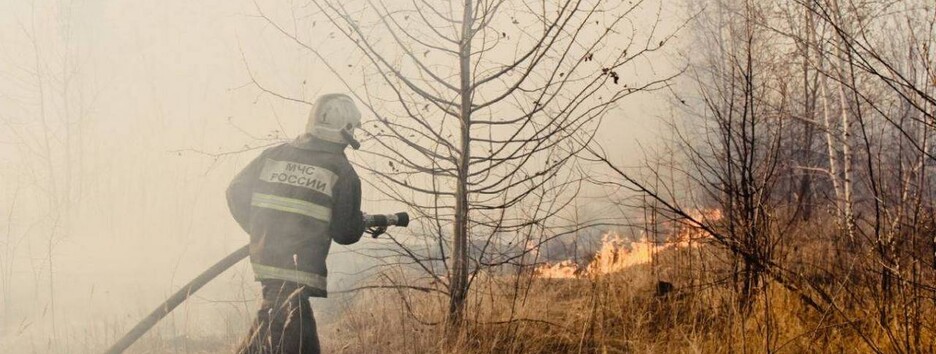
(617, 254)
(632, 297)
(614, 313)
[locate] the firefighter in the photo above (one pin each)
(294, 200)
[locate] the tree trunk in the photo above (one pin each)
(458, 288)
(833, 153)
(846, 145)
(805, 201)
(847, 167)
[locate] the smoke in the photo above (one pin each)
(121, 124)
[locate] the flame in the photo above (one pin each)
(616, 255)
(688, 232)
(563, 270)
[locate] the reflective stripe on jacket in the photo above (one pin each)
(293, 200)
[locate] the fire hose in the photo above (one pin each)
(375, 224)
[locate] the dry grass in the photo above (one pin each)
(620, 312)
(616, 313)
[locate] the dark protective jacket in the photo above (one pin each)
(293, 200)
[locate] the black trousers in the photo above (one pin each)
(285, 323)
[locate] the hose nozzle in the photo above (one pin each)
(377, 224)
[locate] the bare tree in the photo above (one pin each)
(481, 108)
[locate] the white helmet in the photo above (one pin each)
(331, 114)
